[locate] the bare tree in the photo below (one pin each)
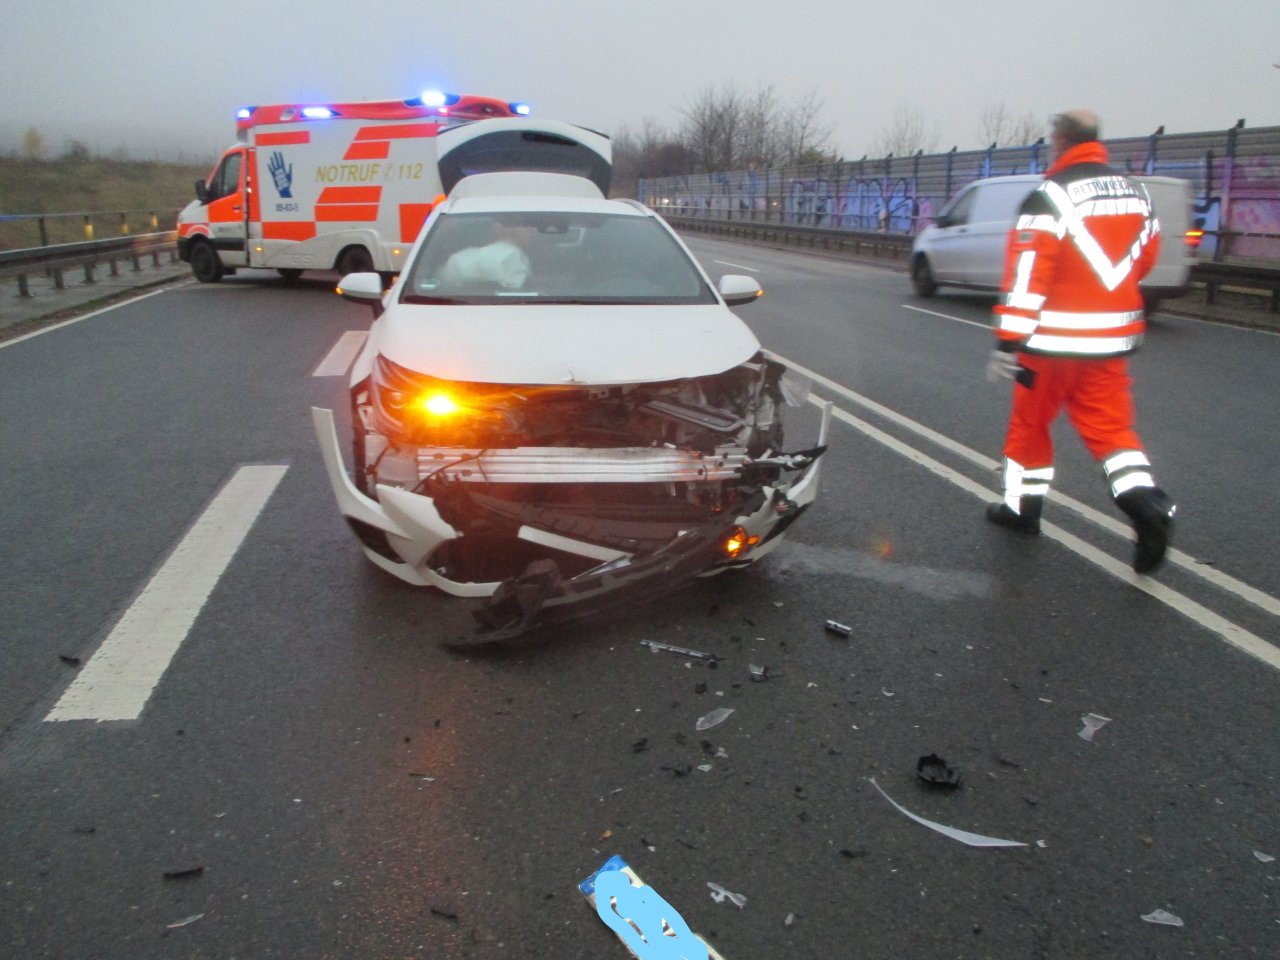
(997, 125)
(905, 134)
(32, 144)
(711, 129)
(759, 143)
(805, 139)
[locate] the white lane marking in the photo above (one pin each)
(119, 678)
(339, 358)
(1224, 581)
(67, 323)
(1235, 635)
(736, 266)
(945, 316)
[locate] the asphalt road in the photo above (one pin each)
(320, 778)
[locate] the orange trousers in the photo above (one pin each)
(1097, 397)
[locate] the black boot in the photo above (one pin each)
(1026, 520)
(1151, 511)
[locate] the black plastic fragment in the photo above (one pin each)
(934, 770)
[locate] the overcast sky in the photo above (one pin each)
(162, 77)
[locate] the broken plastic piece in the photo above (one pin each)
(964, 836)
(640, 917)
(1092, 724)
(716, 716)
(831, 626)
(1263, 857)
(183, 922)
(759, 674)
(1163, 917)
(789, 920)
(933, 769)
(719, 894)
(655, 646)
(186, 874)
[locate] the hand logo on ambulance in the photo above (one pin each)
(281, 174)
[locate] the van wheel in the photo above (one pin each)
(289, 274)
(922, 277)
(354, 260)
(205, 264)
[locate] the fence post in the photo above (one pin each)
(1228, 175)
(44, 232)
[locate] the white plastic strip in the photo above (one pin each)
(119, 678)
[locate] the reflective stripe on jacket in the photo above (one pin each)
(1082, 242)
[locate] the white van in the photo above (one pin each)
(965, 245)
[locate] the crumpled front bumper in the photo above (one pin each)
(413, 528)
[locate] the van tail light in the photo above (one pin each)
(1192, 238)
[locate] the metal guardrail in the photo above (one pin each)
(88, 256)
(1253, 278)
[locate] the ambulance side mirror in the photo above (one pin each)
(202, 191)
(363, 288)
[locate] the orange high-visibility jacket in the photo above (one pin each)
(1082, 241)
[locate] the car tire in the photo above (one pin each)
(205, 263)
(354, 260)
(922, 277)
(289, 274)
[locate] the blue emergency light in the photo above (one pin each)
(520, 109)
(317, 113)
(244, 113)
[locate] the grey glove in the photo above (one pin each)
(1002, 365)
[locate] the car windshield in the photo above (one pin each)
(552, 257)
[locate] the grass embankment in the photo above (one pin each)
(106, 188)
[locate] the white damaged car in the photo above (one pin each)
(556, 409)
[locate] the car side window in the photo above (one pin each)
(958, 211)
(227, 181)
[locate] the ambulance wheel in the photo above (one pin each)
(289, 274)
(922, 277)
(205, 264)
(355, 260)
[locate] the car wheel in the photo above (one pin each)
(205, 264)
(922, 277)
(354, 260)
(290, 274)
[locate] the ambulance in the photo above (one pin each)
(347, 186)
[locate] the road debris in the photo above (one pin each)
(655, 646)
(964, 836)
(1263, 857)
(719, 894)
(187, 874)
(437, 912)
(933, 769)
(1092, 724)
(69, 661)
(759, 674)
(183, 922)
(1163, 917)
(716, 716)
(640, 917)
(833, 626)
(789, 920)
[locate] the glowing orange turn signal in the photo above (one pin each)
(439, 404)
(737, 542)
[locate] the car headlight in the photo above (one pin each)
(415, 408)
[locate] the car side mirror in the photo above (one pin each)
(942, 220)
(738, 289)
(363, 288)
(202, 191)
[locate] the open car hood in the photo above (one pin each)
(555, 344)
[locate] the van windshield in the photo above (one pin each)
(546, 257)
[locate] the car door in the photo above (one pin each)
(949, 237)
(995, 210)
(228, 209)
